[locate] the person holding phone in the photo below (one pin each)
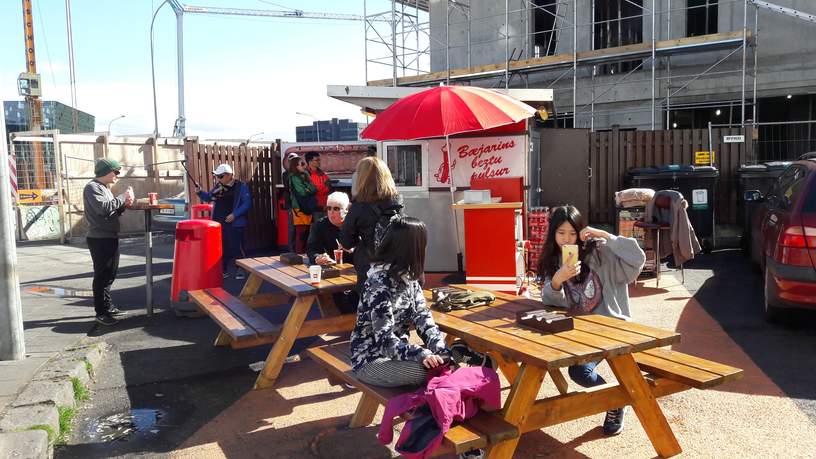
(391, 303)
(596, 281)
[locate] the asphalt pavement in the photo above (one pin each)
(166, 380)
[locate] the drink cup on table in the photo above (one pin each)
(338, 256)
(315, 273)
(153, 199)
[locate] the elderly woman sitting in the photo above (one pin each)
(324, 233)
(323, 240)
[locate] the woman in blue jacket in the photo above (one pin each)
(231, 203)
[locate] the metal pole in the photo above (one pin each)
(153, 71)
(394, 42)
(60, 194)
(71, 66)
(365, 38)
(594, 67)
(507, 44)
(148, 263)
(654, 43)
(710, 146)
(12, 342)
(575, 63)
(468, 34)
(668, 67)
(744, 55)
(756, 63)
(180, 130)
(447, 42)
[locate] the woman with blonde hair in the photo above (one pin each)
(376, 204)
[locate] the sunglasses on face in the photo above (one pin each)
(220, 175)
(117, 172)
(334, 209)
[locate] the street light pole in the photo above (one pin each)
(317, 123)
(12, 343)
(153, 71)
(111, 122)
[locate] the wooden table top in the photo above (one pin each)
(294, 279)
(593, 337)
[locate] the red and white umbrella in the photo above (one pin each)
(443, 111)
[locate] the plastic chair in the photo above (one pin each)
(663, 203)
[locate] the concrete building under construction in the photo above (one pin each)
(635, 64)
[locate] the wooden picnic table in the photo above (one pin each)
(526, 356)
(292, 281)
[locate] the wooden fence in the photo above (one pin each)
(259, 167)
(615, 152)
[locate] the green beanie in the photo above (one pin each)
(105, 166)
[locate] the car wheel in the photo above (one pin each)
(772, 313)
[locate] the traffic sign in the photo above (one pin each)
(29, 196)
(703, 158)
(733, 138)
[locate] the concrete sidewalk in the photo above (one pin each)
(58, 316)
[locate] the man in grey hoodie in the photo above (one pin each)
(102, 212)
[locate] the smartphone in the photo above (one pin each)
(569, 254)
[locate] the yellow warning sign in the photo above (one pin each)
(29, 196)
(704, 158)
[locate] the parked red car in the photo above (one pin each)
(783, 238)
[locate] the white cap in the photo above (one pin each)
(223, 169)
(291, 156)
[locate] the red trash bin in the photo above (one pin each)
(202, 211)
(197, 258)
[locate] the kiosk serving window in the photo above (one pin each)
(407, 163)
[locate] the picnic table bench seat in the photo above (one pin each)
(686, 369)
(481, 431)
(242, 326)
(236, 319)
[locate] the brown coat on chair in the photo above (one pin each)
(669, 206)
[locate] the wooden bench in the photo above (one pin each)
(237, 320)
(482, 431)
(685, 369)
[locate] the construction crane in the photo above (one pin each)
(179, 9)
(28, 86)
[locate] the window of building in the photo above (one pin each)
(544, 35)
(405, 163)
(701, 17)
(618, 23)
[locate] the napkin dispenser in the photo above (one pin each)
(476, 196)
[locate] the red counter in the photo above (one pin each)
(490, 245)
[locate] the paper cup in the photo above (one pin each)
(315, 272)
(338, 256)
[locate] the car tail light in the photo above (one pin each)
(794, 243)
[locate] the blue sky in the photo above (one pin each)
(242, 75)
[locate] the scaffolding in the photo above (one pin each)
(409, 42)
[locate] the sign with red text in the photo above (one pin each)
(476, 157)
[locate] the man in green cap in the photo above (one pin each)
(102, 211)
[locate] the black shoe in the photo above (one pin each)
(114, 311)
(461, 353)
(613, 423)
(226, 275)
(106, 319)
(473, 454)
